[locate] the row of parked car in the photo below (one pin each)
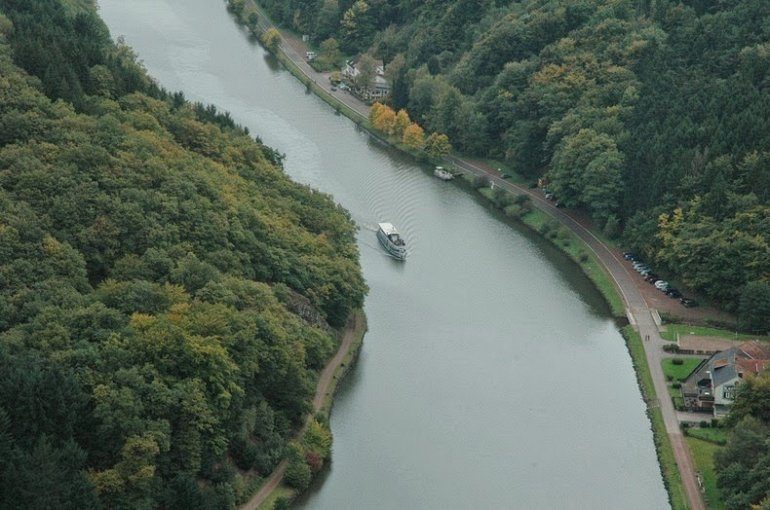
(646, 271)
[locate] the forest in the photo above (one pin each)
(167, 294)
(653, 116)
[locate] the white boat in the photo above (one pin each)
(391, 240)
(443, 174)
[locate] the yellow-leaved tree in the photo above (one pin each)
(414, 136)
(402, 122)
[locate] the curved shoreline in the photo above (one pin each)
(669, 442)
(334, 371)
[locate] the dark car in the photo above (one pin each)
(629, 255)
(689, 303)
(651, 278)
(673, 293)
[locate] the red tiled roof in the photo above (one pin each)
(756, 349)
(754, 366)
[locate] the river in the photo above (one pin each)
(492, 375)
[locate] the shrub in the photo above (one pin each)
(282, 503)
(583, 257)
(677, 361)
(298, 474)
(501, 197)
(481, 181)
(704, 424)
(676, 385)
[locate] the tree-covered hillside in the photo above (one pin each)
(650, 114)
(165, 289)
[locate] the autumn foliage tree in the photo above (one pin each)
(414, 137)
(437, 145)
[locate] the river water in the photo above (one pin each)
(492, 375)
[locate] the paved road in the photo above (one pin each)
(321, 392)
(637, 309)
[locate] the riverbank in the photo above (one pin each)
(615, 283)
(351, 341)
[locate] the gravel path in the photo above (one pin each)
(322, 391)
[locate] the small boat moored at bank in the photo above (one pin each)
(443, 174)
(391, 240)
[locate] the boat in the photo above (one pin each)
(391, 240)
(443, 174)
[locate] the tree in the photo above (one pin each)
(385, 120)
(402, 122)
(357, 26)
(586, 171)
(754, 307)
(330, 54)
(236, 6)
(328, 19)
(298, 474)
(365, 66)
(414, 137)
(271, 38)
(437, 145)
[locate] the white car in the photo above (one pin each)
(661, 285)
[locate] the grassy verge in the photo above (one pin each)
(671, 477)
(703, 457)
(715, 435)
(283, 490)
(684, 329)
(679, 372)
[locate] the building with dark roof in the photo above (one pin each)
(712, 385)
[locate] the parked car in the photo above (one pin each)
(689, 303)
(549, 196)
(334, 89)
(673, 293)
(638, 263)
(661, 285)
(629, 255)
(643, 269)
(651, 278)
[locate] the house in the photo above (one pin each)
(378, 88)
(711, 386)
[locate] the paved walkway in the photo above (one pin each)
(637, 308)
(322, 391)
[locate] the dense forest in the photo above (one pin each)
(743, 465)
(167, 294)
(652, 115)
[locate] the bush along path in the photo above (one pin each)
(290, 50)
(333, 371)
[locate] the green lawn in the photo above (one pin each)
(703, 457)
(684, 329)
(717, 436)
(671, 476)
(679, 372)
